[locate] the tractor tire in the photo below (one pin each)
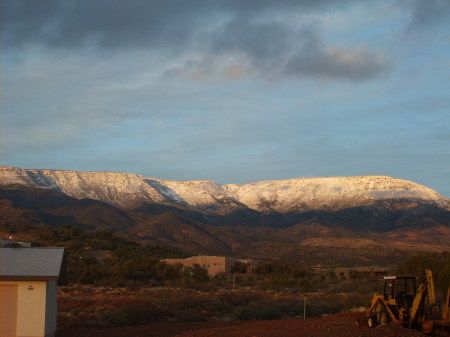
(372, 321)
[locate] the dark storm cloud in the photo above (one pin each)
(213, 28)
(358, 64)
(276, 49)
(108, 24)
(264, 43)
(430, 13)
(118, 24)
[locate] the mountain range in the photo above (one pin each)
(264, 219)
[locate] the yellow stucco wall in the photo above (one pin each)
(213, 264)
(30, 308)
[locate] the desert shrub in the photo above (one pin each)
(268, 309)
(370, 287)
(128, 259)
(190, 316)
(222, 307)
(355, 301)
(95, 323)
(238, 299)
(67, 320)
(304, 286)
(170, 272)
(280, 268)
(194, 307)
(246, 281)
(133, 285)
(84, 310)
(194, 274)
(256, 311)
(443, 278)
(289, 306)
(192, 302)
(130, 315)
(346, 286)
(330, 304)
(439, 263)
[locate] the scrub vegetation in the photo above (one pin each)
(114, 281)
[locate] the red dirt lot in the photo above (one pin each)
(340, 325)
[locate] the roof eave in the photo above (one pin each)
(27, 278)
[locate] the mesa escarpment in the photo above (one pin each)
(265, 218)
(284, 196)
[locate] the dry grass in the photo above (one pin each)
(104, 306)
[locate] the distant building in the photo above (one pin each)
(216, 264)
(315, 267)
(28, 284)
(357, 272)
(10, 242)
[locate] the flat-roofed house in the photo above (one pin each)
(28, 290)
(13, 243)
(215, 264)
(348, 273)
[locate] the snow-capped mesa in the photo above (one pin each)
(292, 195)
(331, 193)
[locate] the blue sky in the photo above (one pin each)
(229, 90)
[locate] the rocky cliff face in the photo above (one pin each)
(283, 196)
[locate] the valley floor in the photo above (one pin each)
(340, 325)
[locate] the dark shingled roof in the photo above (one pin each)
(30, 263)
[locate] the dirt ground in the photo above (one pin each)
(341, 325)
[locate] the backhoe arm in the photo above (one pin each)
(430, 288)
(418, 302)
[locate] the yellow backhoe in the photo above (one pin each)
(403, 303)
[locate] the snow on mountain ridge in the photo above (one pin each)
(328, 193)
(290, 195)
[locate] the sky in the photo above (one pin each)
(234, 91)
